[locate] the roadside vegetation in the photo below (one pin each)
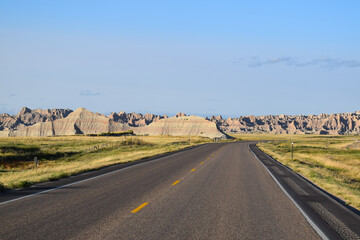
(60, 157)
(331, 162)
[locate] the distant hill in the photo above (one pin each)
(80, 121)
(334, 124)
(182, 125)
(51, 122)
(27, 117)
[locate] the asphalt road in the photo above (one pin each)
(215, 191)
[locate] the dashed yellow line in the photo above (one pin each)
(176, 182)
(173, 184)
(139, 207)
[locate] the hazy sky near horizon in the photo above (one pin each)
(227, 58)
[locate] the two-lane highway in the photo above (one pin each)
(215, 191)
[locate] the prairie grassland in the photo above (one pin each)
(69, 155)
(331, 162)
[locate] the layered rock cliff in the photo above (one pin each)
(335, 124)
(80, 121)
(27, 117)
(182, 126)
(66, 122)
(135, 119)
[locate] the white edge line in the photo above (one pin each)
(87, 179)
(66, 185)
(312, 224)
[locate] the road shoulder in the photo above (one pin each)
(335, 220)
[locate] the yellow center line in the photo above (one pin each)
(212, 154)
(208, 158)
(202, 163)
(176, 182)
(139, 207)
(193, 170)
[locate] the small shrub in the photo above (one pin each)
(2, 187)
(57, 176)
(112, 134)
(24, 184)
(135, 142)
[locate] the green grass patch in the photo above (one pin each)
(21, 184)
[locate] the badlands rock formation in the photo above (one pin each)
(180, 114)
(27, 117)
(182, 126)
(80, 121)
(135, 119)
(66, 122)
(344, 123)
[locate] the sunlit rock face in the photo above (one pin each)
(334, 124)
(135, 119)
(80, 121)
(52, 122)
(27, 117)
(182, 126)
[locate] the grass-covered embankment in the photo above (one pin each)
(331, 162)
(65, 156)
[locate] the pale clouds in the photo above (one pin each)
(89, 93)
(327, 62)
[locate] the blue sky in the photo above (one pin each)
(227, 58)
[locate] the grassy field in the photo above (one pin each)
(65, 156)
(331, 162)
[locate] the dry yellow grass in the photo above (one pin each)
(74, 154)
(331, 162)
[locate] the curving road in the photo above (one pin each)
(215, 191)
